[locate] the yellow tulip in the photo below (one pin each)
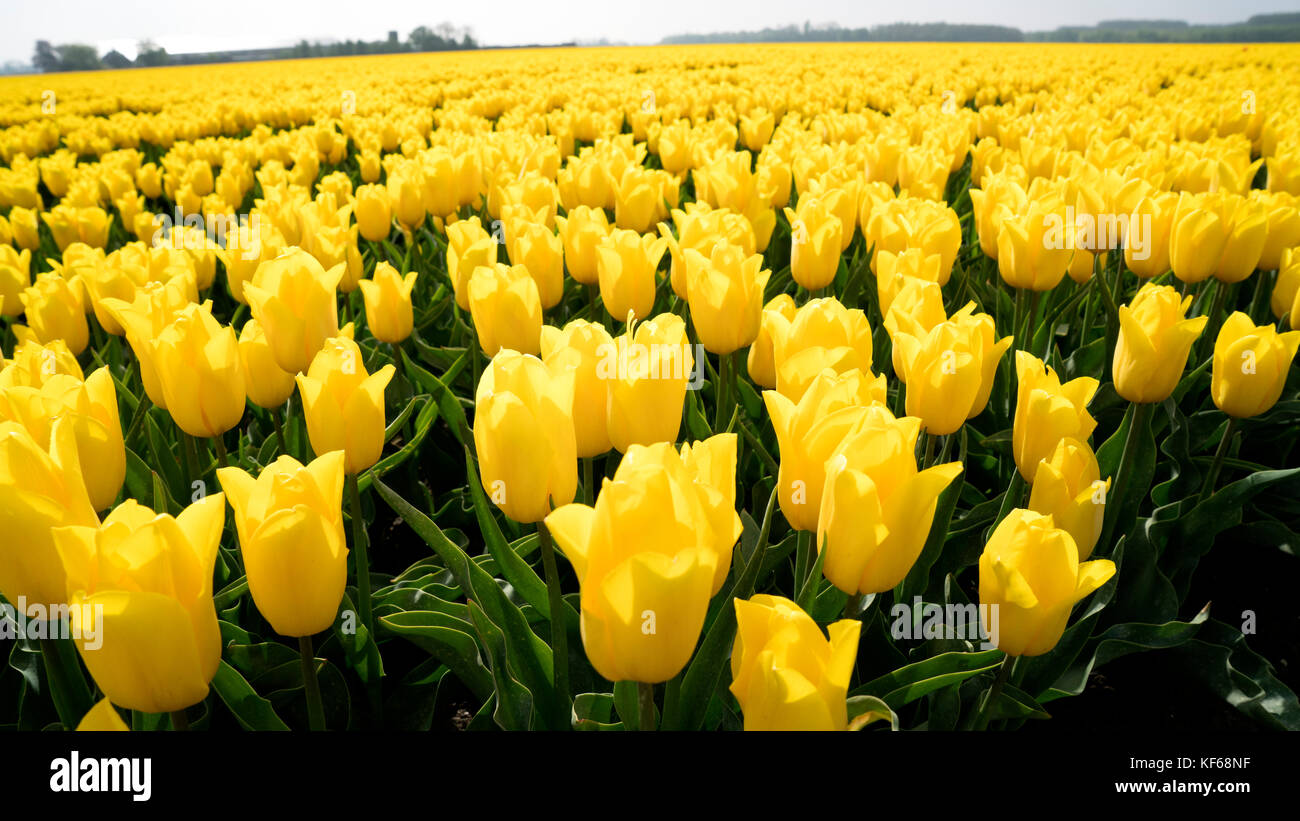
(648, 370)
(290, 526)
(35, 364)
(39, 491)
(761, 362)
(389, 312)
(1197, 239)
(816, 241)
(374, 212)
(998, 197)
(949, 370)
(1251, 365)
(725, 292)
(506, 309)
(785, 673)
(646, 556)
(581, 232)
(1152, 259)
(91, 408)
(893, 271)
(141, 584)
(1068, 487)
(154, 308)
(1030, 571)
(524, 436)
(293, 298)
(24, 225)
(807, 433)
(468, 247)
(876, 508)
(407, 199)
(823, 334)
(579, 348)
(1285, 299)
(625, 265)
(1047, 412)
(1283, 216)
(198, 365)
(1033, 249)
(541, 252)
(54, 311)
(1155, 338)
(15, 278)
(344, 405)
(266, 383)
(102, 717)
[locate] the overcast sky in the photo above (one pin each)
(232, 24)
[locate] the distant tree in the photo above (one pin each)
(77, 57)
(116, 59)
(149, 53)
(45, 58)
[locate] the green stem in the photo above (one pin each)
(279, 430)
(645, 698)
(360, 546)
(67, 683)
(180, 721)
(311, 684)
(140, 413)
(559, 631)
(853, 608)
(722, 396)
(191, 457)
(803, 559)
(929, 450)
(588, 482)
(1220, 452)
(1205, 345)
(991, 697)
(223, 458)
(1138, 421)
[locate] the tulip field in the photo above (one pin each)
(871, 387)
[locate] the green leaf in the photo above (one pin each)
(448, 639)
(1218, 657)
(906, 684)
(514, 701)
(524, 579)
(918, 578)
(1014, 703)
(594, 712)
(251, 710)
(864, 710)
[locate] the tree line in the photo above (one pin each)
(80, 57)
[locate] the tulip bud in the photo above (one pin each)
(1197, 239)
(1155, 338)
(290, 525)
(785, 673)
(388, 303)
(198, 366)
(1047, 412)
(468, 247)
(579, 348)
(1250, 366)
(506, 309)
(1033, 249)
(1150, 257)
(293, 298)
(141, 583)
(1285, 299)
(1030, 571)
(1068, 487)
(876, 508)
(344, 405)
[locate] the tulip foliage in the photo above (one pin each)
(848, 387)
